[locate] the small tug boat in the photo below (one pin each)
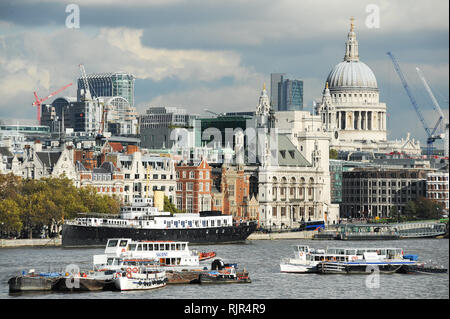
(139, 279)
(222, 273)
(224, 276)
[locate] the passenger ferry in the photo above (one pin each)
(143, 221)
(344, 260)
(121, 253)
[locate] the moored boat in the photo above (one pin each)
(165, 255)
(139, 279)
(142, 221)
(345, 260)
(33, 282)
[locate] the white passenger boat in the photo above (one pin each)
(139, 279)
(121, 253)
(344, 260)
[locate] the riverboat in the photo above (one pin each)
(139, 279)
(142, 221)
(345, 260)
(122, 253)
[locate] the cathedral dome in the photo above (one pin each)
(351, 73)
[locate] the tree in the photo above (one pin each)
(10, 216)
(169, 206)
(333, 154)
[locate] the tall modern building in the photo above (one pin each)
(109, 84)
(286, 94)
(275, 79)
(157, 123)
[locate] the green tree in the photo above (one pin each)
(169, 206)
(333, 154)
(10, 216)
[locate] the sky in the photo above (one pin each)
(217, 55)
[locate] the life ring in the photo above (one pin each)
(334, 258)
(129, 270)
(129, 275)
(301, 254)
(135, 269)
(354, 258)
(117, 275)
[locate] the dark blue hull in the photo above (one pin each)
(80, 236)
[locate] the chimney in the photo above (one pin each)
(132, 149)
(37, 146)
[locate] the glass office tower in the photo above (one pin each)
(285, 94)
(110, 84)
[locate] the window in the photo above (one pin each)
(179, 186)
(192, 174)
(190, 186)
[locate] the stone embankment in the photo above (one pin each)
(282, 235)
(45, 242)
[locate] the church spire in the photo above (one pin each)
(351, 49)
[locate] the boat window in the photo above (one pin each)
(156, 246)
(150, 247)
(115, 262)
(139, 247)
(183, 246)
(144, 247)
(110, 261)
(351, 252)
(167, 246)
(161, 246)
(123, 243)
(172, 246)
(132, 247)
(360, 251)
(190, 223)
(178, 246)
(331, 251)
(112, 243)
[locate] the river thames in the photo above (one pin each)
(261, 258)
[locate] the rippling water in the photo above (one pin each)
(261, 258)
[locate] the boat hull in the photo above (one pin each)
(85, 236)
(297, 268)
(142, 282)
(31, 283)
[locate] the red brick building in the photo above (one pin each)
(193, 187)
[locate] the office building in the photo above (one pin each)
(109, 84)
(286, 94)
(157, 124)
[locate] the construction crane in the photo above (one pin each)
(86, 91)
(218, 114)
(38, 101)
(443, 124)
(431, 137)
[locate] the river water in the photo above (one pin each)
(261, 258)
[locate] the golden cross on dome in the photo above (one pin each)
(352, 23)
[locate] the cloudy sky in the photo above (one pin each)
(217, 55)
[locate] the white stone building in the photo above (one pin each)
(437, 186)
(351, 111)
(293, 175)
